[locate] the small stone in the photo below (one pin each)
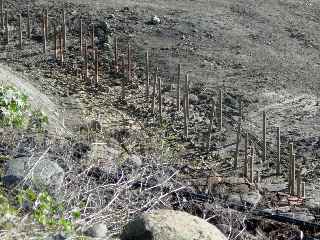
(111, 16)
(135, 160)
(155, 20)
(193, 99)
(98, 230)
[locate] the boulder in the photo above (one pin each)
(98, 230)
(170, 225)
(39, 172)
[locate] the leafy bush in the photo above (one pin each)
(15, 110)
(46, 211)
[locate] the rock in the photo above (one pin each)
(155, 20)
(234, 180)
(92, 125)
(39, 172)
(58, 236)
(170, 225)
(98, 230)
(193, 99)
(252, 198)
(103, 154)
(135, 160)
(80, 150)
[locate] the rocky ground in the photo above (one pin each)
(113, 160)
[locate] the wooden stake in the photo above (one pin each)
(186, 95)
(154, 93)
(123, 96)
(46, 23)
(160, 100)
(92, 36)
(245, 165)
(264, 139)
(235, 164)
(64, 30)
(303, 189)
(299, 182)
(278, 164)
(2, 16)
(293, 175)
(97, 66)
(251, 164)
(44, 34)
(7, 27)
(55, 43)
(186, 122)
(81, 37)
(20, 32)
(290, 167)
(147, 76)
(61, 47)
(116, 67)
(28, 23)
(178, 88)
(129, 63)
(86, 60)
(220, 109)
(123, 66)
(212, 115)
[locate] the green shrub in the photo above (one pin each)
(15, 110)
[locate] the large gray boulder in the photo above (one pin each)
(170, 225)
(39, 172)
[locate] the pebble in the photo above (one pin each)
(155, 20)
